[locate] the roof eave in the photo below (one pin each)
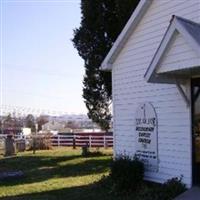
(195, 45)
(150, 75)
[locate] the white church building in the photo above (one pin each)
(155, 64)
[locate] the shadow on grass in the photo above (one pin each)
(31, 162)
(86, 192)
(38, 169)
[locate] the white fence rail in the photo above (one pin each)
(76, 140)
(2, 144)
(83, 140)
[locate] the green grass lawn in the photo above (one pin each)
(61, 173)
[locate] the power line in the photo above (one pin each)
(21, 110)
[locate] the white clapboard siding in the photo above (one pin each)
(178, 55)
(130, 89)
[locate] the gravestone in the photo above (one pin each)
(9, 146)
(20, 145)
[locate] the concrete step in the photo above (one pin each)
(191, 194)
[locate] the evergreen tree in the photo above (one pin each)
(101, 23)
(41, 120)
(30, 122)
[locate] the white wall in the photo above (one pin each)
(179, 56)
(130, 89)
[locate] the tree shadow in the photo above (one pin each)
(38, 169)
(27, 163)
(87, 192)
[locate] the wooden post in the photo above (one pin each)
(58, 140)
(104, 141)
(90, 141)
(74, 142)
(34, 143)
(34, 138)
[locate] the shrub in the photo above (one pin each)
(41, 142)
(146, 190)
(150, 191)
(87, 152)
(167, 191)
(126, 174)
(173, 188)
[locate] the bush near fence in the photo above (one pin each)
(42, 142)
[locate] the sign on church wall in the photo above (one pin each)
(147, 136)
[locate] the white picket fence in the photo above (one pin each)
(77, 140)
(81, 140)
(15, 137)
(2, 144)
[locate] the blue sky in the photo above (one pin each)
(41, 68)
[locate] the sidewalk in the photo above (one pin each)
(191, 194)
